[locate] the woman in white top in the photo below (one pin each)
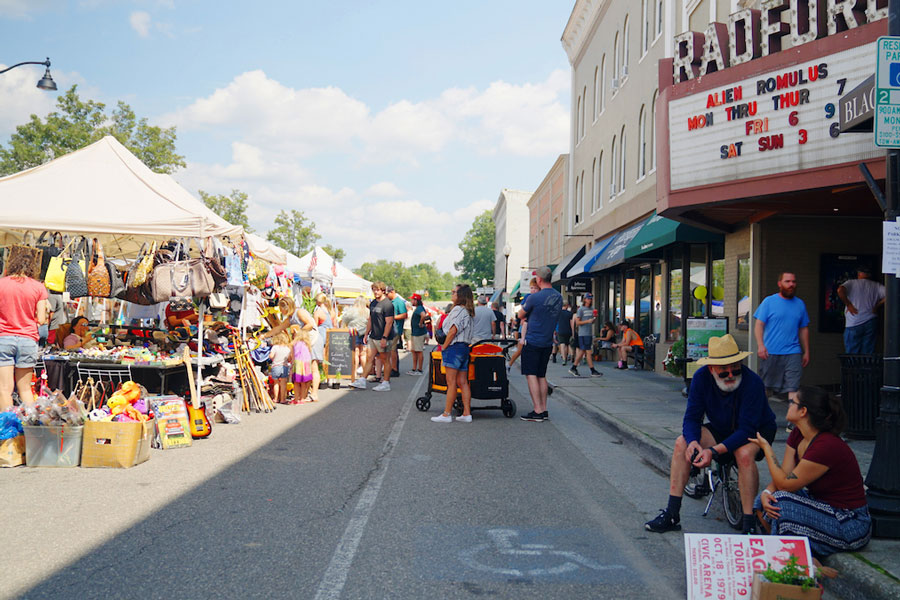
(455, 353)
(356, 318)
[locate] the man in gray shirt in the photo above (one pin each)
(584, 323)
(484, 318)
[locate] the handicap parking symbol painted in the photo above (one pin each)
(477, 554)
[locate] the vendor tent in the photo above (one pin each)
(326, 270)
(101, 189)
(266, 250)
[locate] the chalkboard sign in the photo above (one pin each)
(338, 353)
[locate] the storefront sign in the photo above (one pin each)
(722, 566)
(777, 122)
(857, 107)
(699, 330)
(887, 93)
(891, 254)
(579, 285)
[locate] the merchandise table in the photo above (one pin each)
(156, 377)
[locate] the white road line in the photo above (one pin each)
(336, 574)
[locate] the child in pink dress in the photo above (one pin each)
(302, 364)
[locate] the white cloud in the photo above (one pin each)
(23, 9)
(20, 97)
(140, 22)
(384, 189)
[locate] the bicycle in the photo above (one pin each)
(709, 481)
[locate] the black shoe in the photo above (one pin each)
(535, 417)
(546, 415)
(663, 522)
(554, 358)
(596, 373)
(395, 373)
(574, 371)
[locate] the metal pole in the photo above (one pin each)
(883, 479)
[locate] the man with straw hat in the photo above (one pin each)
(733, 400)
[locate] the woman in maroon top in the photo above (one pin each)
(818, 491)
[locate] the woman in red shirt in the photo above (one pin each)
(818, 491)
(22, 309)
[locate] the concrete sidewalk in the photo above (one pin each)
(647, 408)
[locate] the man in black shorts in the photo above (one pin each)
(542, 311)
(563, 333)
(733, 400)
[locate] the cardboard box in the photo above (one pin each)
(766, 590)
(12, 452)
(115, 445)
(53, 445)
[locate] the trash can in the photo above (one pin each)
(861, 381)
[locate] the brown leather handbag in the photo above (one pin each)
(98, 281)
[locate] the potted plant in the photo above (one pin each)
(792, 582)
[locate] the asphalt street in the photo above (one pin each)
(358, 496)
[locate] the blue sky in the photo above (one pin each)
(391, 124)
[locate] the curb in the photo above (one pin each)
(857, 579)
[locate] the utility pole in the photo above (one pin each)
(883, 479)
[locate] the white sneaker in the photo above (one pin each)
(359, 383)
(464, 418)
(412, 372)
(384, 386)
(442, 418)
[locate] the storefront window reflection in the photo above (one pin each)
(743, 293)
(699, 292)
(676, 278)
(717, 293)
(643, 324)
(629, 296)
(657, 299)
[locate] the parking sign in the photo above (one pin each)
(887, 92)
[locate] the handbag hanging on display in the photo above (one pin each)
(142, 267)
(116, 284)
(214, 265)
(76, 283)
(30, 254)
(180, 278)
(98, 281)
(51, 247)
(55, 279)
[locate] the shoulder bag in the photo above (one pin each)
(55, 278)
(51, 247)
(98, 280)
(76, 284)
(181, 278)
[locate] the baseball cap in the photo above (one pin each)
(589, 295)
(415, 297)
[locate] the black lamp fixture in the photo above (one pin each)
(46, 82)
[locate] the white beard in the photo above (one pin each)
(728, 387)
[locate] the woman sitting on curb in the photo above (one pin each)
(818, 491)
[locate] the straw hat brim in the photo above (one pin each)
(723, 360)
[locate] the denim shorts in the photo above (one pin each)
(456, 356)
(584, 342)
(280, 372)
(18, 351)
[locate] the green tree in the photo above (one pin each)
(337, 254)
(232, 208)
(293, 232)
(424, 277)
(77, 123)
(478, 251)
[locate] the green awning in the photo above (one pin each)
(515, 288)
(659, 232)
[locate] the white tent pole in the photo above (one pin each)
(200, 323)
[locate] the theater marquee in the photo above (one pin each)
(774, 122)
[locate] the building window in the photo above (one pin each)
(578, 121)
(717, 283)
(581, 198)
(613, 165)
(657, 299)
(602, 93)
(575, 199)
(659, 17)
(623, 72)
(617, 64)
(596, 91)
(622, 156)
(653, 132)
(584, 97)
(699, 297)
(645, 27)
(642, 143)
(598, 197)
(593, 183)
(676, 280)
(743, 292)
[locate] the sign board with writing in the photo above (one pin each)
(887, 92)
(890, 262)
(172, 426)
(722, 566)
(698, 333)
(338, 354)
(579, 285)
(773, 123)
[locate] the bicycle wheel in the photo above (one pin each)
(731, 496)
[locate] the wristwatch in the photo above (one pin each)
(713, 450)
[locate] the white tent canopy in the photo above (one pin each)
(266, 250)
(346, 282)
(104, 189)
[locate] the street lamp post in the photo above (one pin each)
(46, 82)
(507, 250)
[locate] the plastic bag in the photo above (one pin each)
(10, 426)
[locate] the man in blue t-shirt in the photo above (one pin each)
(542, 311)
(782, 337)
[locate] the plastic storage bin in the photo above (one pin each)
(53, 446)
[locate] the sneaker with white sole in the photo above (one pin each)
(384, 386)
(359, 384)
(442, 418)
(412, 372)
(464, 418)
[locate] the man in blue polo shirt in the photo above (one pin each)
(782, 337)
(542, 311)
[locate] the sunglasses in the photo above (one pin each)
(795, 403)
(729, 374)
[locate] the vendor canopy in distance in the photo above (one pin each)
(103, 189)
